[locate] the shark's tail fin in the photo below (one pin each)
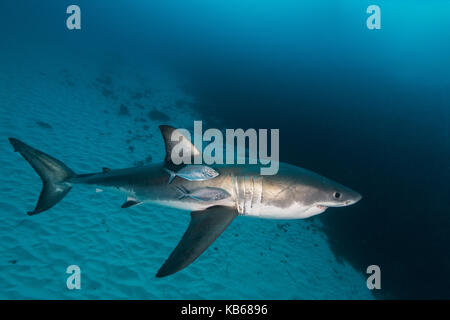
(53, 173)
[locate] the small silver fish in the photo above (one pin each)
(203, 194)
(193, 173)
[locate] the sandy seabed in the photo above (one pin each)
(73, 112)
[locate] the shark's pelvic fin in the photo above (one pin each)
(167, 132)
(205, 227)
(131, 202)
(53, 173)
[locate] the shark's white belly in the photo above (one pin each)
(295, 211)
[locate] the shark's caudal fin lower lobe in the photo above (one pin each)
(53, 173)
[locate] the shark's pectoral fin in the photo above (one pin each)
(130, 203)
(205, 227)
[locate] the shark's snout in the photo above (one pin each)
(351, 197)
(357, 196)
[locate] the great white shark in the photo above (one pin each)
(293, 193)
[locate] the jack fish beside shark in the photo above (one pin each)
(214, 202)
(203, 194)
(193, 172)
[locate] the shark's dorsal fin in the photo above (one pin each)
(105, 169)
(205, 227)
(167, 132)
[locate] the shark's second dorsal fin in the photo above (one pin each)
(167, 133)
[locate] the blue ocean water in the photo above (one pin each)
(368, 108)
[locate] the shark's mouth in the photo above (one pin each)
(321, 207)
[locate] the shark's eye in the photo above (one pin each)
(336, 195)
